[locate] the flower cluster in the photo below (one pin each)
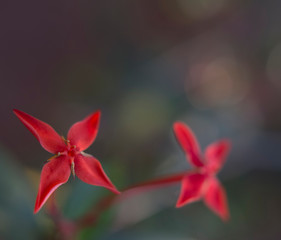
(202, 182)
(199, 183)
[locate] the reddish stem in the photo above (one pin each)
(66, 229)
(106, 202)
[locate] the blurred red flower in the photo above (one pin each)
(202, 182)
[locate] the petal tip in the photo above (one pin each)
(112, 188)
(182, 203)
(98, 112)
(227, 142)
(37, 207)
(97, 115)
(115, 191)
(35, 211)
(225, 218)
(16, 112)
(178, 124)
(179, 204)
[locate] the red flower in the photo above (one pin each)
(69, 156)
(202, 183)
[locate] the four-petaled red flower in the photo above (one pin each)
(69, 156)
(202, 182)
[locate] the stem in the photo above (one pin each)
(105, 203)
(65, 228)
(171, 179)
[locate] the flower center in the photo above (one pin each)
(72, 151)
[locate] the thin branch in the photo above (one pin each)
(105, 203)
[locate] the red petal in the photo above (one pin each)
(46, 135)
(54, 173)
(83, 133)
(216, 155)
(191, 188)
(90, 171)
(188, 142)
(215, 198)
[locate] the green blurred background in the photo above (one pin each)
(214, 64)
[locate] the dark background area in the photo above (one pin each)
(214, 64)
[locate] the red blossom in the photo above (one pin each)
(69, 156)
(202, 183)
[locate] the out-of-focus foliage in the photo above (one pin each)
(16, 211)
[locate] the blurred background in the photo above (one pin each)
(214, 64)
